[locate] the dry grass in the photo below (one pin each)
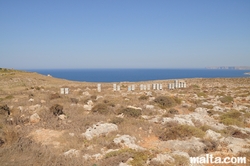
(180, 132)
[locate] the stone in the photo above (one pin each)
(99, 129)
(127, 141)
(163, 158)
(72, 153)
(218, 108)
(89, 105)
(150, 107)
(62, 117)
(31, 100)
(236, 145)
(35, 107)
(212, 135)
(191, 145)
(85, 93)
(136, 108)
(180, 153)
(35, 118)
(43, 101)
(181, 121)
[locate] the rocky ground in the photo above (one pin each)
(40, 126)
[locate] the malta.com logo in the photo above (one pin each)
(210, 159)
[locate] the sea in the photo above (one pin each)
(137, 75)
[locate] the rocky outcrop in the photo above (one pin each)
(99, 129)
(72, 153)
(212, 135)
(88, 106)
(163, 159)
(127, 141)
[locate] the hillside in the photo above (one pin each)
(41, 126)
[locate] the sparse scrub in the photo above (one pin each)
(180, 132)
(191, 109)
(57, 109)
(199, 94)
(74, 100)
(54, 96)
(165, 101)
(226, 99)
(139, 157)
(130, 112)
(232, 117)
(101, 108)
(117, 120)
(230, 131)
(211, 145)
(143, 97)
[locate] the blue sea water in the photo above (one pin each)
(135, 75)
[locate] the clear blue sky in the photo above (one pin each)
(124, 33)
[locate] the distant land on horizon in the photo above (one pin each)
(229, 67)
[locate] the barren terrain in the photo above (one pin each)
(41, 126)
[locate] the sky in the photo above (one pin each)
(62, 34)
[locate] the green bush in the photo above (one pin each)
(139, 157)
(226, 99)
(131, 112)
(199, 94)
(165, 101)
(181, 132)
(232, 118)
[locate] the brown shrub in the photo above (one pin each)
(165, 101)
(74, 100)
(54, 96)
(130, 112)
(101, 108)
(117, 120)
(4, 109)
(57, 109)
(143, 97)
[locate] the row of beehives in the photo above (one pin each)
(177, 84)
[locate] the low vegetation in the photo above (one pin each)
(226, 99)
(130, 112)
(180, 132)
(232, 117)
(166, 101)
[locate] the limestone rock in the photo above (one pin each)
(35, 118)
(88, 106)
(236, 145)
(62, 117)
(210, 134)
(150, 107)
(99, 129)
(163, 159)
(72, 153)
(136, 108)
(34, 108)
(127, 141)
(181, 121)
(190, 145)
(218, 108)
